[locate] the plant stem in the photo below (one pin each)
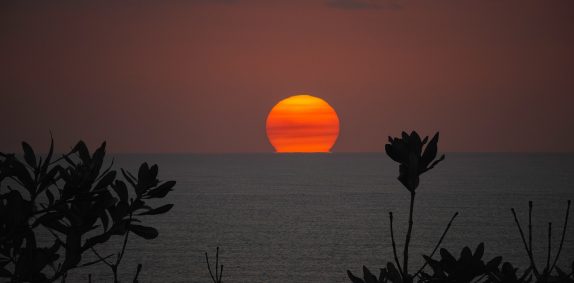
(408, 240)
(562, 239)
(532, 264)
(437, 244)
(530, 227)
(549, 246)
(121, 254)
(394, 244)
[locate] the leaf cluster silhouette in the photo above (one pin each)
(81, 204)
(415, 159)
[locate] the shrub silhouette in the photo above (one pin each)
(468, 267)
(79, 202)
(413, 162)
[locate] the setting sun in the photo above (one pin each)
(302, 123)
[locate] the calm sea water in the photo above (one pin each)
(310, 217)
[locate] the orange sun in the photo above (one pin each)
(302, 123)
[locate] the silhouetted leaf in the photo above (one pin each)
(144, 176)
(29, 155)
(430, 151)
(479, 251)
(447, 257)
(98, 159)
(161, 191)
(106, 180)
(494, 263)
(82, 151)
(394, 274)
(44, 168)
(105, 219)
(121, 189)
(415, 143)
(145, 232)
(159, 210)
(368, 276)
(354, 278)
(466, 253)
(73, 249)
(50, 197)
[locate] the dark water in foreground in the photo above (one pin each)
(309, 218)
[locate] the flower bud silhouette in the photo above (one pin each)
(408, 151)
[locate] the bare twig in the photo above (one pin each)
(103, 259)
(218, 272)
(530, 227)
(532, 264)
(561, 240)
(139, 269)
(438, 243)
(100, 259)
(549, 247)
(209, 267)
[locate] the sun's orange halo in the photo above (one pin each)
(302, 123)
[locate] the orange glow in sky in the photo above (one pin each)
(302, 123)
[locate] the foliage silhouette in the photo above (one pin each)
(468, 267)
(79, 202)
(413, 162)
(415, 157)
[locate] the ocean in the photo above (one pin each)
(310, 217)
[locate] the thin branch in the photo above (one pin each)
(532, 264)
(209, 268)
(438, 243)
(139, 269)
(561, 240)
(394, 245)
(220, 274)
(549, 246)
(121, 254)
(100, 257)
(530, 228)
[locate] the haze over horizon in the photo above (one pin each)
(201, 76)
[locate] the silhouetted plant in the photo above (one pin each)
(80, 203)
(388, 274)
(467, 268)
(546, 274)
(509, 274)
(218, 268)
(415, 157)
(414, 161)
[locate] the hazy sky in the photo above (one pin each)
(202, 75)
